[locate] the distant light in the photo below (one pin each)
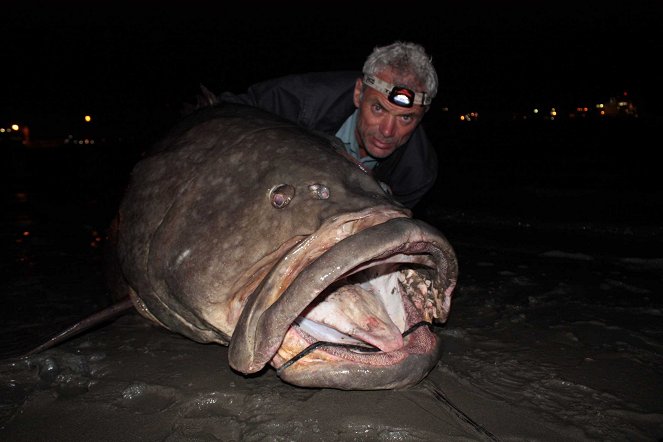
(536, 111)
(14, 126)
(87, 118)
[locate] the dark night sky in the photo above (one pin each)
(135, 62)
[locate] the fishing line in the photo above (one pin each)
(480, 429)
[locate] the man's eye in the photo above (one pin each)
(408, 119)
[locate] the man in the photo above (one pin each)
(376, 115)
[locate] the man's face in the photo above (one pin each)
(382, 126)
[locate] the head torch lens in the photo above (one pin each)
(401, 96)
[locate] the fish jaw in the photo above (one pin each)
(346, 370)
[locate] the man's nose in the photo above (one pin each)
(388, 126)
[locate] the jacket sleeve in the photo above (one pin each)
(316, 100)
(276, 96)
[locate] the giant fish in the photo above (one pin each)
(243, 229)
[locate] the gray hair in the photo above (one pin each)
(405, 59)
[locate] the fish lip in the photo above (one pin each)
(348, 375)
(267, 316)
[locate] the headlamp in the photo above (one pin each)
(398, 95)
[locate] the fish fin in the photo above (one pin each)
(76, 329)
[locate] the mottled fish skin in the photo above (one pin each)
(239, 222)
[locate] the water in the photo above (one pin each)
(582, 181)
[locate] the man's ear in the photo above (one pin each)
(356, 97)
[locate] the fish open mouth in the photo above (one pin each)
(345, 308)
(365, 318)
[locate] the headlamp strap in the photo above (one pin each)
(398, 95)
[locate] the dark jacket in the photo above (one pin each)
(323, 101)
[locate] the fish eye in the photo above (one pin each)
(281, 195)
(319, 191)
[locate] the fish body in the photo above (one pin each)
(243, 229)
